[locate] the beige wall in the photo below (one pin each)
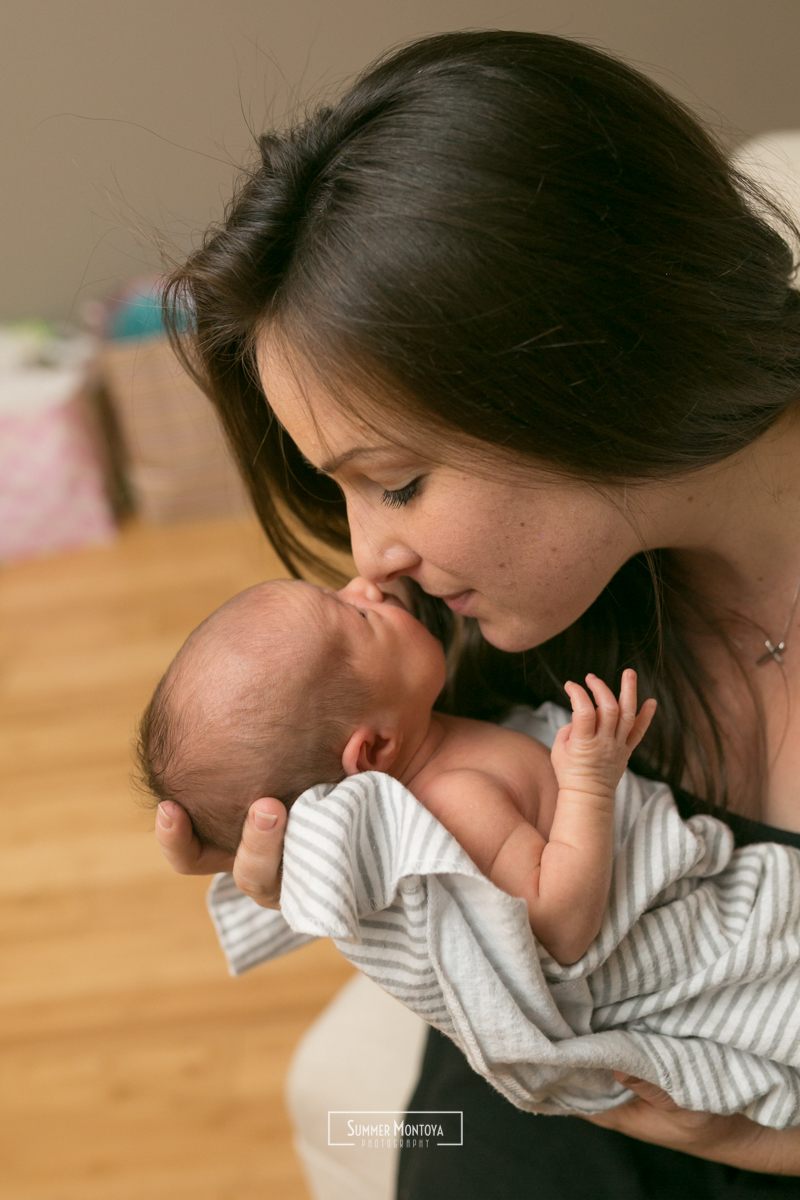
(122, 117)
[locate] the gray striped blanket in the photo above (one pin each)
(692, 983)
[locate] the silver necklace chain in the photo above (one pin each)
(775, 653)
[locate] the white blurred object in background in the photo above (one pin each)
(52, 486)
(772, 161)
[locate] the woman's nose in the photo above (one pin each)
(361, 589)
(379, 556)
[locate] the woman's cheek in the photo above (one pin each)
(456, 538)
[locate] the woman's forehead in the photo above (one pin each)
(324, 422)
(327, 430)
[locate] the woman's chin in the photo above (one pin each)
(506, 635)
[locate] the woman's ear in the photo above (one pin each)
(369, 749)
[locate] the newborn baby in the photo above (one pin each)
(290, 685)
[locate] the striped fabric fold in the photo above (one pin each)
(692, 983)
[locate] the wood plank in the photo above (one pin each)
(131, 1065)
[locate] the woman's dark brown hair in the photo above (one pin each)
(519, 238)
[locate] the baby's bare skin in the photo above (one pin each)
(537, 823)
(498, 793)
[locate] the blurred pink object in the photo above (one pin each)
(52, 488)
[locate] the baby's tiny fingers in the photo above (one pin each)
(627, 703)
(641, 724)
(584, 720)
(607, 707)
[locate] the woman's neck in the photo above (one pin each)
(734, 529)
(733, 535)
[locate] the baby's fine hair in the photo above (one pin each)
(254, 704)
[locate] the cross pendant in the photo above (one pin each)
(773, 652)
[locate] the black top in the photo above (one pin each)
(747, 832)
(513, 1155)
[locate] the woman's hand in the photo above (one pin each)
(735, 1140)
(257, 865)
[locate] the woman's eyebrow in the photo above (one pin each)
(333, 464)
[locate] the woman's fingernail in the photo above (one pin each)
(263, 820)
(164, 819)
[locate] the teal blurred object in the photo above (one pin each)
(138, 313)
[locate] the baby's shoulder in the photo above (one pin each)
(469, 802)
(461, 781)
(515, 763)
(493, 747)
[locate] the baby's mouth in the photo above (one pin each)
(390, 598)
(401, 598)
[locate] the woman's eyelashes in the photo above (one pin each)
(401, 496)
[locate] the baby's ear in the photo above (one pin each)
(369, 750)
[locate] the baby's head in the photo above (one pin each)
(266, 694)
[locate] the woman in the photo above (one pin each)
(525, 341)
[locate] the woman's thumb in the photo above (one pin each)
(256, 870)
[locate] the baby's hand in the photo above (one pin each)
(591, 754)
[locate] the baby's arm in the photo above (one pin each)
(589, 757)
(564, 880)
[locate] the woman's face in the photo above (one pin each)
(521, 552)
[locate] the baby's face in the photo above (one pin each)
(390, 649)
(391, 653)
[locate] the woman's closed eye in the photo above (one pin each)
(401, 496)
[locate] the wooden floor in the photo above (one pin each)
(131, 1066)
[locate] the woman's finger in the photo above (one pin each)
(257, 869)
(647, 1091)
(180, 846)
